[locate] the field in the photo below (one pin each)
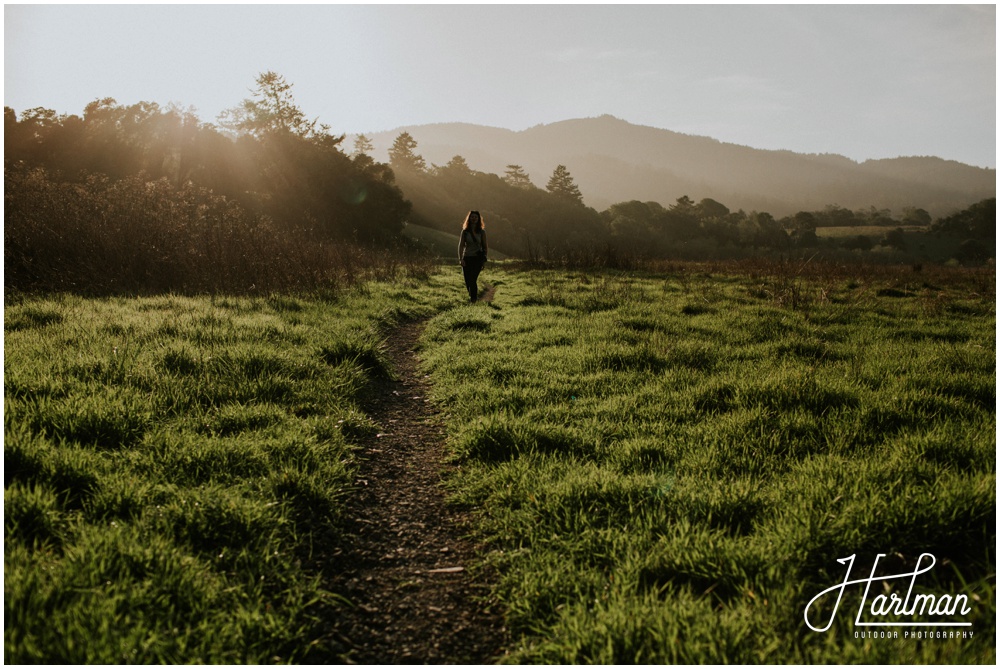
(172, 464)
(668, 467)
(663, 468)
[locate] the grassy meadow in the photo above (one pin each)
(664, 466)
(173, 464)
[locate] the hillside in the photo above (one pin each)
(614, 161)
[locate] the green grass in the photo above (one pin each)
(173, 466)
(665, 468)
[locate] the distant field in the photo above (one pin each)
(666, 468)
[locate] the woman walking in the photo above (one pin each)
(472, 249)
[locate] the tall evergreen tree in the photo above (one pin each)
(272, 110)
(561, 185)
(459, 165)
(402, 155)
(363, 146)
(517, 177)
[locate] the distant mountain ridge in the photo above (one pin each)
(613, 161)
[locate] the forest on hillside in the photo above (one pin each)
(530, 222)
(142, 198)
(613, 161)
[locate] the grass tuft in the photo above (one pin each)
(367, 355)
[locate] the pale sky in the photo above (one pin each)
(858, 80)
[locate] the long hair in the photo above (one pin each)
(477, 228)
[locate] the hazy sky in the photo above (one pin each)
(861, 81)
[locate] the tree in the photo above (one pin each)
(458, 165)
(835, 216)
(914, 216)
(363, 161)
(804, 220)
(709, 208)
(973, 250)
(977, 222)
(402, 155)
(517, 177)
(680, 221)
(363, 146)
(630, 224)
(873, 216)
(684, 206)
(562, 186)
(895, 238)
(804, 237)
(272, 110)
(31, 137)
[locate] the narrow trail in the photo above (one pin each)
(406, 572)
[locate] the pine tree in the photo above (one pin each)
(517, 177)
(272, 110)
(561, 185)
(363, 146)
(458, 164)
(402, 156)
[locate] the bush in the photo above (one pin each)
(102, 236)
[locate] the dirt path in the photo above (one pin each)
(407, 569)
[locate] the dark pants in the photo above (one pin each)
(473, 266)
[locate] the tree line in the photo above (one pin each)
(523, 220)
(132, 197)
(263, 154)
(148, 198)
(533, 222)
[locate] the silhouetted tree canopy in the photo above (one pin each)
(709, 208)
(978, 222)
(916, 216)
(272, 110)
(273, 161)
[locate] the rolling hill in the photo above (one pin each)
(613, 161)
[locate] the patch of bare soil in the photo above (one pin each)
(405, 566)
